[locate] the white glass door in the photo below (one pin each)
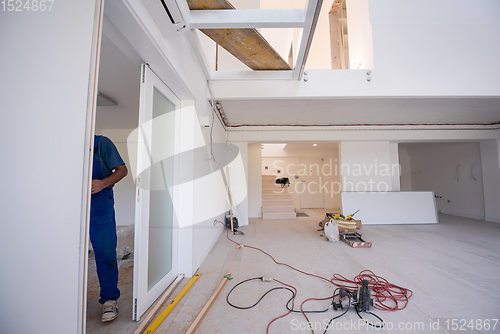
(155, 265)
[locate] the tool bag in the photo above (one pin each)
(283, 181)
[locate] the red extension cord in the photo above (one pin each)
(383, 291)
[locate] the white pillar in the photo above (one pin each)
(490, 165)
(405, 178)
(395, 167)
(254, 181)
(242, 208)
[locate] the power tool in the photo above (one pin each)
(363, 297)
(349, 217)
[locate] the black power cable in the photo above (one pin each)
(369, 323)
(265, 294)
(347, 309)
(348, 293)
(262, 297)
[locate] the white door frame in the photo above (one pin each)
(143, 298)
(87, 168)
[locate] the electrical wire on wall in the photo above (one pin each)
(215, 113)
(388, 296)
(472, 176)
(211, 132)
(457, 173)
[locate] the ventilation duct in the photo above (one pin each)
(167, 15)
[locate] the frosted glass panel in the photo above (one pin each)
(160, 206)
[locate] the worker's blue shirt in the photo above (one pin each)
(108, 156)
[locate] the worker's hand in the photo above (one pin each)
(97, 185)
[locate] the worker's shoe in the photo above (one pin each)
(109, 310)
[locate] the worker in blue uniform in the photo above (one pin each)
(108, 169)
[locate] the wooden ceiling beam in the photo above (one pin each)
(209, 4)
(246, 44)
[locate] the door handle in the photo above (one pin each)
(138, 188)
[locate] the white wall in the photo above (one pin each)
(434, 168)
(205, 234)
(360, 34)
(320, 54)
(397, 207)
(490, 164)
(418, 50)
(46, 58)
(254, 181)
(304, 150)
(429, 48)
(368, 166)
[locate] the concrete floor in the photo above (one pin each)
(452, 267)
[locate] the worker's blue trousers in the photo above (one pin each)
(103, 238)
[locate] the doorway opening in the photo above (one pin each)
(117, 115)
(313, 172)
(138, 112)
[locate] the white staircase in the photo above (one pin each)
(277, 203)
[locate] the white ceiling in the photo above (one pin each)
(119, 78)
(363, 111)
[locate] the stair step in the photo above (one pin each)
(278, 215)
(277, 203)
(268, 182)
(275, 197)
(271, 209)
(275, 191)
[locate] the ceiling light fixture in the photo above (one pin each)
(315, 145)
